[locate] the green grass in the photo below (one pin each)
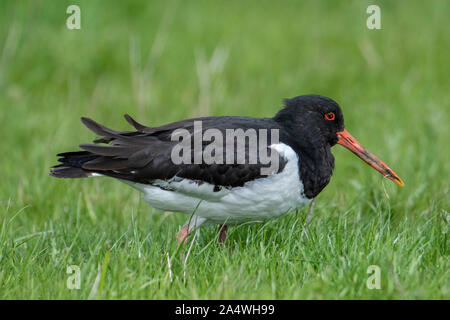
(154, 61)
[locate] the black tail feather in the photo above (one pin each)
(139, 127)
(63, 171)
(71, 165)
(104, 159)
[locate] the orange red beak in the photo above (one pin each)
(345, 139)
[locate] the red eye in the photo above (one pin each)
(329, 116)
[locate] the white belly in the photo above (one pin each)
(258, 200)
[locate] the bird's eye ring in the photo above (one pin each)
(329, 116)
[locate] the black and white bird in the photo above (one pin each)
(224, 192)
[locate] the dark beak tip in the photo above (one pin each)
(399, 182)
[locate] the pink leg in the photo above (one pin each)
(223, 232)
(183, 235)
(191, 225)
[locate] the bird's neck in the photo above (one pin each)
(315, 160)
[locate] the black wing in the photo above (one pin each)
(145, 155)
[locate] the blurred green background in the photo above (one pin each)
(163, 61)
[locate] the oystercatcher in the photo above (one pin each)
(224, 192)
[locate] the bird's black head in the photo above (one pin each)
(312, 116)
(314, 122)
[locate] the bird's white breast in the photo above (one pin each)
(258, 200)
